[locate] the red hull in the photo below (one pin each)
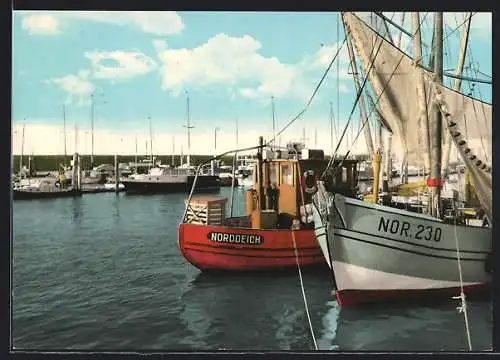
(357, 297)
(227, 248)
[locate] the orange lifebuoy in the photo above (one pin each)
(309, 181)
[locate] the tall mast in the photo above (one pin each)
(173, 150)
(458, 83)
(135, 157)
(151, 139)
(64, 133)
(315, 137)
(92, 130)
(434, 181)
(188, 128)
(424, 121)
(22, 150)
(362, 107)
(236, 132)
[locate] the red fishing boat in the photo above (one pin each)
(277, 231)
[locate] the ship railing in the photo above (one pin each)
(218, 157)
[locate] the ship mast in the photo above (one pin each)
(434, 181)
(64, 133)
(188, 127)
(424, 121)
(22, 151)
(92, 130)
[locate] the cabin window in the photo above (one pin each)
(287, 174)
(273, 174)
(344, 175)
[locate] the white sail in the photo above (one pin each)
(469, 121)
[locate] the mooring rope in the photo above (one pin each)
(297, 259)
(303, 291)
(463, 303)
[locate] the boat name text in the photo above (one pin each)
(404, 228)
(236, 238)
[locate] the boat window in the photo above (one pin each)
(286, 174)
(273, 173)
(344, 175)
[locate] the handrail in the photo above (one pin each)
(217, 157)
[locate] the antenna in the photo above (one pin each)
(304, 136)
(188, 128)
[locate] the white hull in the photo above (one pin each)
(374, 248)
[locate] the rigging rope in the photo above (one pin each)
(378, 99)
(298, 267)
(313, 94)
(303, 291)
(463, 303)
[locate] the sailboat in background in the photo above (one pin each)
(377, 251)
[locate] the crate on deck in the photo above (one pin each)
(206, 210)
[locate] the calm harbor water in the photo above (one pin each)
(103, 272)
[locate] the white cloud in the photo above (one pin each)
(160, 45)
(77, 86)
(128, 64)
(224, 59)
(41, 24)
(152, 22)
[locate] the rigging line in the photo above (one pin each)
(463, 303)
(469, 54)
(471, 87)
(330, 162)
(298, 266)
(356, 100)
(458, 27)
(378, 99)
(312, 96)
(338, 76)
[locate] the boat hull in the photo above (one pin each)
(204, 183)
(377, 252)
(36, 194)
(244, 249)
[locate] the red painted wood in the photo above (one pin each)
(276, 250)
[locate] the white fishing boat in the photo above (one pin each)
(377, 252)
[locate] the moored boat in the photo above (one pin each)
(277, 231)
(378, 252)
(44, 188)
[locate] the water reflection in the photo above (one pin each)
(384, 327)
(272, 303)
(77, 210)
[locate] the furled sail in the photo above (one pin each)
(469, 122)
(394, 78)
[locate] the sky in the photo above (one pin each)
(140, 68)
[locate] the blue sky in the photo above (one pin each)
(140, 64)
